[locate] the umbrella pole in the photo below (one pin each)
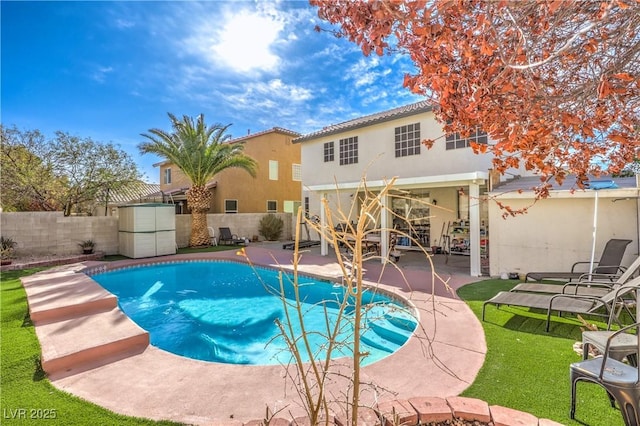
(595, 229)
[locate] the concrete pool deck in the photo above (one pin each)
(101, 356)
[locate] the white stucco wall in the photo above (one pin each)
(558, 231)
(376, 155)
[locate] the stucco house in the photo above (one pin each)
(380, 146)
(275, 189)
(462, 189)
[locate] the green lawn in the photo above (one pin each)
(27, 397)
(527, 368)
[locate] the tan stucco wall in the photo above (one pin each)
(558, 231)
(252, 193)
(51, 233)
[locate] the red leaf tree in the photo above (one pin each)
(555, 84)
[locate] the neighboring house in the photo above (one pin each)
(275, 189)
(388, 144)
(138, 192)
(559, 230)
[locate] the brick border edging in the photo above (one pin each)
(73, 258)
(421, 410)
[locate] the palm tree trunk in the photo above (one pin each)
(198, 199)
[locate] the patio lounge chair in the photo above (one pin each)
(620, 380)
(603, 306)
(597, 286)
(227, 237)
(609, 263)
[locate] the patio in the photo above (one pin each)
(151, 383)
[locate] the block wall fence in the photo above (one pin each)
(52, 233)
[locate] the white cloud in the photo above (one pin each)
(100, 74)
(242, 41)
(246, 40)
(124, 23)
(269, 94)
(364, 72)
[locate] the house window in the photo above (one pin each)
(231, 206)
(296, 172)
(272, 206)
(328, 151)
(349, 150)
(456, 141)
(273, 170)
(306, 206)
(407, 140)
(290, 206)
(167, 176)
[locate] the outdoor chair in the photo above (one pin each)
(589, 284)
(212, 236)
(620, 380)
(227, 237)
(604, 306)
(609, 263)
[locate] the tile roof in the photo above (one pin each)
(272, 130)
(367, 120)
(135, 192)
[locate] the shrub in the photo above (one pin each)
(87, 245)
(271, 227)
(7, 247)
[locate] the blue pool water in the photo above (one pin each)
(225, 312)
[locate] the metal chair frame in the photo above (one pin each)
(620, 380)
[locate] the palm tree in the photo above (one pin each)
(200, 152)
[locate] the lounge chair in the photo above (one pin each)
(609, 263)
(590, 284)
(227, 237)
(572, 303)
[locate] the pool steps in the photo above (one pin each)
(65, 296)
(387, 330)
(78, 343)
(78, 323)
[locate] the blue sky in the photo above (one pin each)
(112, 70)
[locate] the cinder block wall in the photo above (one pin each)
(51, 233)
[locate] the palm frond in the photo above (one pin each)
(200, 151)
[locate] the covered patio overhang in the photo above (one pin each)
(471, 180)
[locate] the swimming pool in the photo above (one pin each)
(222, 311)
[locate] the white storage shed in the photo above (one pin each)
(147, 230)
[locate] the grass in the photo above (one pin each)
(527, 368)
(24, 384)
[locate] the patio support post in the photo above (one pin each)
(474, 229)
(324, 247)
(384, 226)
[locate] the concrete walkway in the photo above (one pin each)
(101, 356)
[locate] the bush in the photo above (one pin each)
(7, 247)
(271, 227)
